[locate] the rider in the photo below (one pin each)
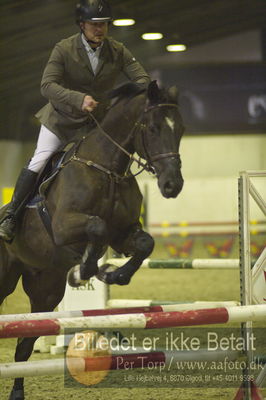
(80, 72)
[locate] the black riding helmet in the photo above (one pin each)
(93, 10)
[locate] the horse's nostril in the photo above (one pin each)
(171, 188)
(168, 186)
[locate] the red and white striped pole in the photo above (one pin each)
(149, 320)
(118, 310)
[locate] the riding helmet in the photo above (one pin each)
(93, 10)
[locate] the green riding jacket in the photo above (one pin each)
(68, 78)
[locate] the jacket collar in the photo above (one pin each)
(83, 54)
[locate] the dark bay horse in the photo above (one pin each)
(94, 202)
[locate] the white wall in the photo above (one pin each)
(222, 155)
(13, 155)
(211, 166)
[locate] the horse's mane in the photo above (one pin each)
(155, 94)
(127, 90)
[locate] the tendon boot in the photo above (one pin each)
(23, 190)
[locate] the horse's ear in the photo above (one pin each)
(173, 94)
(153, 92)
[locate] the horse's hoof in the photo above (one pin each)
(104, 273)
(17, 394)
(110, 275)
(74, 279)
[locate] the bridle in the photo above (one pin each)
(153, 158)
(141, 127)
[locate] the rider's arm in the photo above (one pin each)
(52, 79)
(133, 69)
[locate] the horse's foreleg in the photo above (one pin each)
(138, 243)
(79, 228)
(88, 267)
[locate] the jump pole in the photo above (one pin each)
(96, 293)
(195, 305)
(119, 310)
(182, 263)
(150, 320)
(162, 360)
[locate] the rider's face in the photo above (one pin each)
(95, 31)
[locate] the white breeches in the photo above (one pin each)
(47, 144)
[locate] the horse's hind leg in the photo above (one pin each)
(10, 272)
(139, 244)
(45, 292)
(9, 282)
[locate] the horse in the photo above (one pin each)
(93, 202)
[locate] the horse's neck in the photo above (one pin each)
(119, 124)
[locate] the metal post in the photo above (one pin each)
(247, 190)
(245, 269)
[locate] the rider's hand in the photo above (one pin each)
(89, 104)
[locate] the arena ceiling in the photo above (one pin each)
(30, 28)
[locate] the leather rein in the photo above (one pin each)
(149, 158)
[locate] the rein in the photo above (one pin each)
(131, 157)
(150, 159)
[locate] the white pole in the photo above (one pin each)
(58, 366)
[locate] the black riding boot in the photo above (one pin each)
(23, 189)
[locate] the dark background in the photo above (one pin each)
(30, 28)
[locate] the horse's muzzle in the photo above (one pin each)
(170, 182)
